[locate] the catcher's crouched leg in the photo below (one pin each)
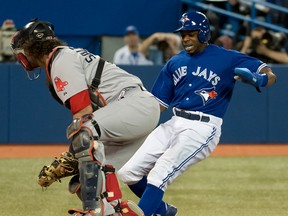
(112, 194)
(98, 187)
(90, 154)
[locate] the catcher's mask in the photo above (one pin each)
(195, 21)
(35, 30)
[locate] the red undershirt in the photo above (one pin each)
(79, 101)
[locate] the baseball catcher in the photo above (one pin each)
(86, 168)
(112, 115)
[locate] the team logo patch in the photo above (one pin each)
(59, 84)
(206, 94)
(184, 19)
(39, 35)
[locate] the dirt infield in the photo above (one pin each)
(45, 150)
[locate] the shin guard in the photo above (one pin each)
(91, 182)
(84, 144)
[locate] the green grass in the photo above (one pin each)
(226, 186)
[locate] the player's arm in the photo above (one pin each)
(271, 76)
(84, 111)
(80, 104)
(162, 108)
(264, 78)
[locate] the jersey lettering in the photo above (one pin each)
(179, 73)
(89, 57)
(209, 76)
(216, 80)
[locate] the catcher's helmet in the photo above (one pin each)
(196, 21)
(35, 30)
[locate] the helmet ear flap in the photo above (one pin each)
(22, 59)
(204, 36)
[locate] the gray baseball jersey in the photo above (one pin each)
(130, 112)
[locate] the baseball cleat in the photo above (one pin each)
(171, 210)
(129, 208)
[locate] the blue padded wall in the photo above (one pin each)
(29, 114)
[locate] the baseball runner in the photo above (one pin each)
(198, 83)
(111, 109)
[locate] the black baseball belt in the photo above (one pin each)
(192, 116)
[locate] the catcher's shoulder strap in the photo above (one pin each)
(108, 168)
(52, 56)
(97, 78)
(49, 84)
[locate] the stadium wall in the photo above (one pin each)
(30, 115)
(81, 24)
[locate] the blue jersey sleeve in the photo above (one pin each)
(163, 88)
(246, 61)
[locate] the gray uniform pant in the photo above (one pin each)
(125, 123)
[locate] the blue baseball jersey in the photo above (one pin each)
(203, 81)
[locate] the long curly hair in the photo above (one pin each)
(37, 49)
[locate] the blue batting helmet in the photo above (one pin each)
(196, 21)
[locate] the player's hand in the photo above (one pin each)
(255, 79)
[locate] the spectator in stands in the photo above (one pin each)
(6, 32)
(261, 10)
(129, 54)
(215, 25)
(234, 27)
(160, 47)
(224, 41)
(266, 45)
(279, 17)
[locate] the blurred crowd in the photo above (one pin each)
(156, 49)
(231, 33)
(7, 30)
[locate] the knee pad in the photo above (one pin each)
(84, 121)
(84, 136)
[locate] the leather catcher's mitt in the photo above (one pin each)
(64, 165)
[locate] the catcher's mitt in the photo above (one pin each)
(64, 165)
